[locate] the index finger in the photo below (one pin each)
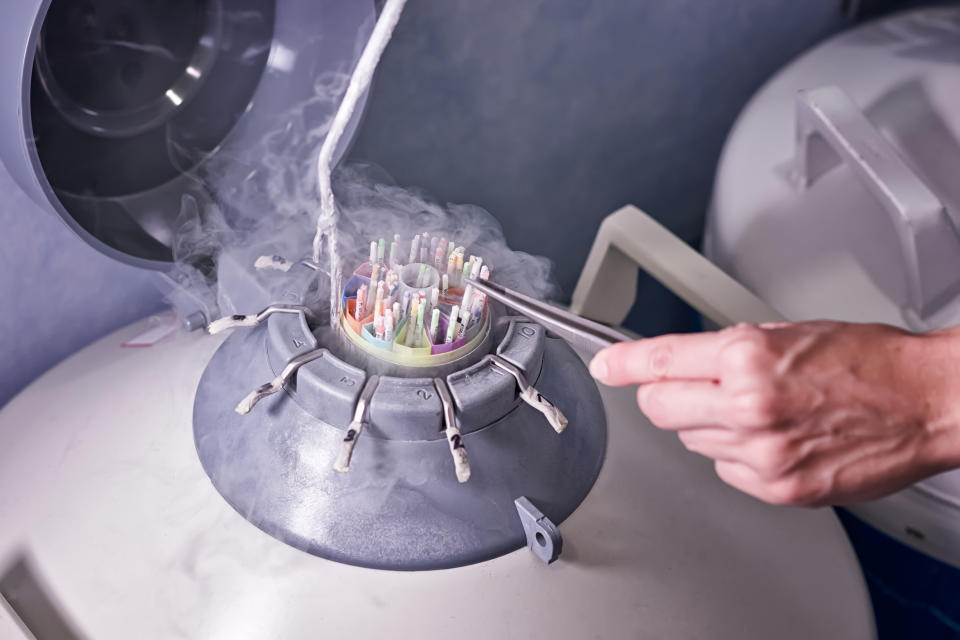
(691, 356)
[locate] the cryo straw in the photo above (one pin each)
(420, 311)
(451, 264)
(378, 304)
(378, 327)
(434, 325)
(414, 249)
(396, 311)
(479, 299)
(393, 254)
(361, 302)
(381, 287)
(445, 281)
(452, 325)
(373, 253)
(388, 326)
(381, 247)
(411, 321)
(475, 270)
(371, 292)
(434, 297)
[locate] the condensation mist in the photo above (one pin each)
(269, 207)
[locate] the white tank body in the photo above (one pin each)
(836, 248)
(106, 507)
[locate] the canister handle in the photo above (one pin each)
(628, 239)
(830, 128)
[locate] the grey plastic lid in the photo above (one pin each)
(112, 111)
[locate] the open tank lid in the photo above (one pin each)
(113, 112)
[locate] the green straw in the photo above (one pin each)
(434, 324)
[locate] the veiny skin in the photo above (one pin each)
(810, 413)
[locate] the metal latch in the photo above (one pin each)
(543, 537)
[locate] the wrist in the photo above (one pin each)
(935, 359)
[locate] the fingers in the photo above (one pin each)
(711, 442)
(740, 476)
(682, 404)
(676, 357)
(790, 490)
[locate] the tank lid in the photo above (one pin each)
(126, 108)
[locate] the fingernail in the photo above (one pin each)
(598, 368)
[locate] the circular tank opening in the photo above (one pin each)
(419, 276)
(124, 108)
(112, 68)
(129, 100)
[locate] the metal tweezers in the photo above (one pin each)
(583, 334)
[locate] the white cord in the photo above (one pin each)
(359, 82)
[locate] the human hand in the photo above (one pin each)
(811, 413)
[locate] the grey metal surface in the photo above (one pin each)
(400, 506)
(133, 106)
(543, 537)
(482, 393)
(328, 387)
(523, 346)
(406, 409)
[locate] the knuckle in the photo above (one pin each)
(756, 409)
(794, 491)
(748, 352)
(660, 359)
(771, 456)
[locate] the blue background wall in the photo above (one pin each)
(58, 294)
(550, 114)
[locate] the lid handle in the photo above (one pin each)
(831, 129)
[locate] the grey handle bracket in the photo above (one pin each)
(628, 239)
(832, 129)
(543, 537)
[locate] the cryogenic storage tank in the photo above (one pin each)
(836, 197)
(136, 501)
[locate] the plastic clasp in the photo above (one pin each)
(543, 537)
